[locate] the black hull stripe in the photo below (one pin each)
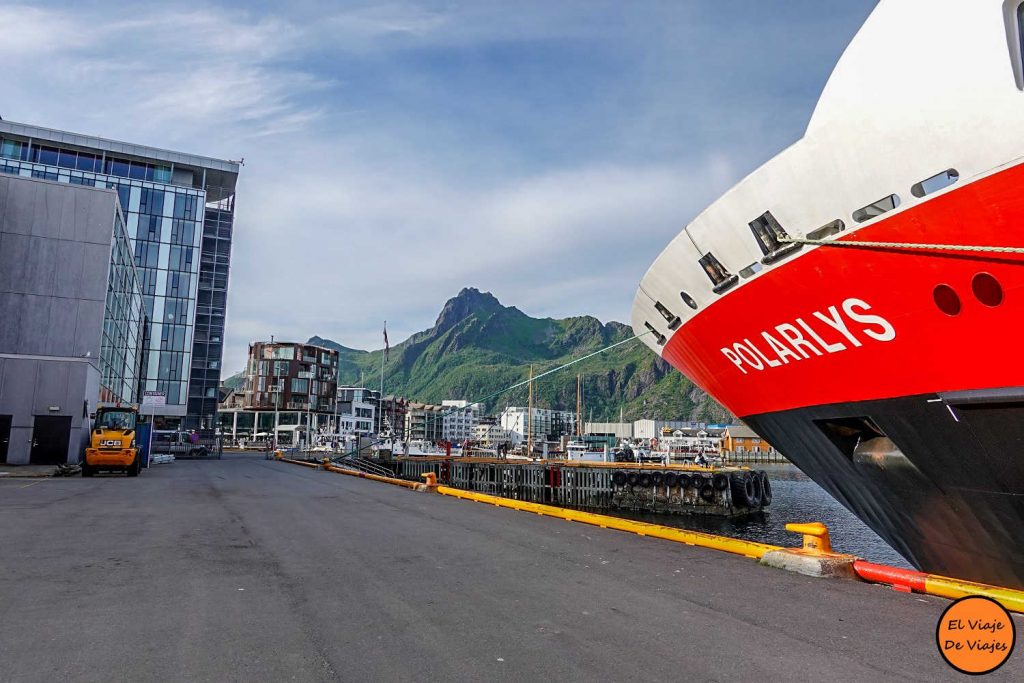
(954, 505)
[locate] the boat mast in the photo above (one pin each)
(579, 404)
(529, 418)
(380, 402)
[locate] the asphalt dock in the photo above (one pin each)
(245, 569)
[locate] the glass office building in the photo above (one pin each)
(179, 216)
(123, 323)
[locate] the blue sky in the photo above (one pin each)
(396, 152)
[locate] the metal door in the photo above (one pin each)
(50, 438)
(5, 436)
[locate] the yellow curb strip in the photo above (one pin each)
(375, 477)
(300, 462)
(945, 587)
(729, 545)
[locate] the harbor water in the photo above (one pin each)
(796, 499)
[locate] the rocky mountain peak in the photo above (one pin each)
(469, 301)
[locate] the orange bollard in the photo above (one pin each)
(816, 538)
(431, 480)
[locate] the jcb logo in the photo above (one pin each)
(110, 442)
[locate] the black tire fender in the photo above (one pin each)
(619, 478)
(707, 493)
(685, 481)
(645, 480)
(766, 489)
(632, 478)
(657, 478)
(671, 479)
(741, 488)
(720, 482)
(755, 482)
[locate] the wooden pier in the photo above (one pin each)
(670, 489)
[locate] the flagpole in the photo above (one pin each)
(380, 403)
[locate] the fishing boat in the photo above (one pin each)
(858, 300)
(579, 449)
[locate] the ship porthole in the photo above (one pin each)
(688, 300)
(947, 299)
(987, 289)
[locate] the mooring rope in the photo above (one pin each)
(903, 245)
(499, 392)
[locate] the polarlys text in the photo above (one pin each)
(834, 330)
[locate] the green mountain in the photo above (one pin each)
(477, 347)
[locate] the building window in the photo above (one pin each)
(151, 201)
(45, 155)
(11, 149)
(283, 352)
(117, 167)
(300, 386)
(87, 162)
(67, 159)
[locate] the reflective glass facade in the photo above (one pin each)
(123, 324)
(179, 215)
(211, 305)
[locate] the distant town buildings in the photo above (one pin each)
(357, 410)
(640, 429)
(651, 429)
(392, 415)
(290, 376)
(460, 420)
(743, 439)
(289, 393)
(178, 214)
(290, 390)
(545, 425)
(619, 430)
(490, 433)
(424, 422)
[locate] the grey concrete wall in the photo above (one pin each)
(55, 242)
(30, 386)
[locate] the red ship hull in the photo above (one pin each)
(839, 345)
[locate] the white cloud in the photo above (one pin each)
(397, 152)
(352, 243)
(200, 75)
(35, 31)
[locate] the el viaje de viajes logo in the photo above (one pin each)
(975, 635)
